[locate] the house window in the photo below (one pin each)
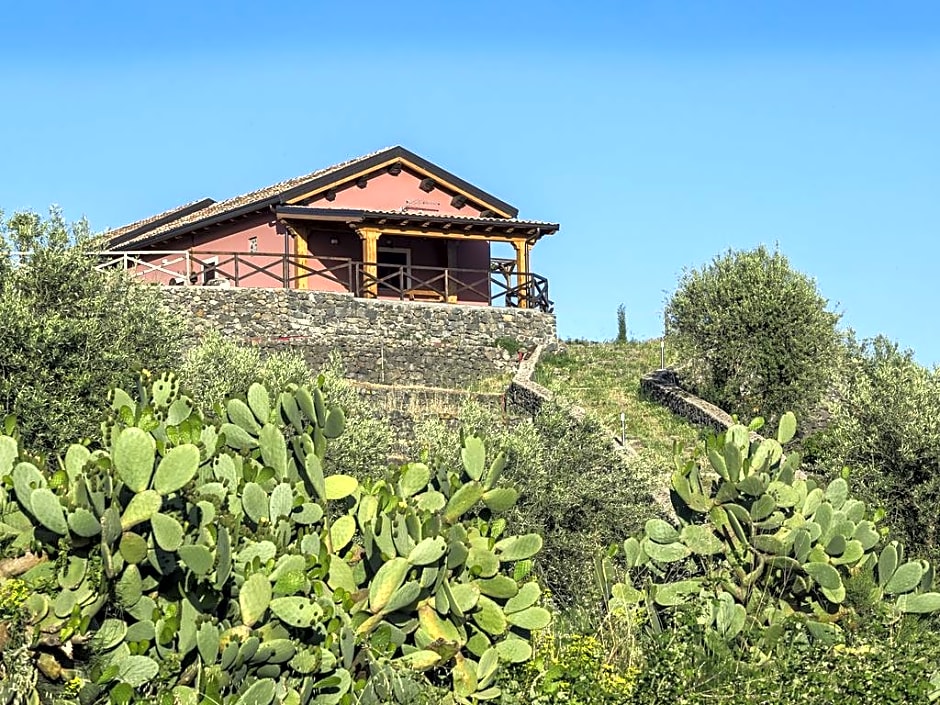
(394, 269)
(253, 244)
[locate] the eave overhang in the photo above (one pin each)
(417, 222)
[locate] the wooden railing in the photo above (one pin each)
(499, 285)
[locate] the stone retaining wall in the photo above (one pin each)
(388, 342)
(662, 386)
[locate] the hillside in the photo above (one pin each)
(604, 378)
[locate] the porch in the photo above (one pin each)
(502, 284)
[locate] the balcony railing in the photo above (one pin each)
(500, 285)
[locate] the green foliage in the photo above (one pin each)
(218, 367)
(621, 324)
(599, 668)
(364, 449)
(756, 334)
(874, 667)
(884, 423)
(218, 560)
(757, 546)
(576, 491)
(69, 332)
(510, 345)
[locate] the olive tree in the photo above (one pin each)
(67, 331)
(884, 423)
(757, 335)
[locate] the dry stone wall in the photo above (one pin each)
(386, 342)
(663, 387)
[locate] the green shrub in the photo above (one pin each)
(756, 334)
(757, 548)
(217, 561)
(875, 668)
(364, 450)
(510, 345)
(217, 367)
(621, 324)
(68, 332)
(884, 423)
(577, 491)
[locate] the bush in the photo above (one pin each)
(578, 492)
(884, 423)
(756, 334)
(217, 367)
(364, 450)
(875, 668)
(69, 332)
(218, 561)
(756, 545)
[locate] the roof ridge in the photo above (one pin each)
(219, 207)
(275, 194)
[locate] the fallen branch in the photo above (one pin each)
(12, 567)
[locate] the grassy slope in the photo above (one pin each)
(604, 378)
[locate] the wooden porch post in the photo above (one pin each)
(522, 270)
(370, 258)
(302, 252)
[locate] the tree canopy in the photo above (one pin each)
(67, 331)
(757, 334)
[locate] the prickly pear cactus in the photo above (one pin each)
(224, 563)
(757, 544)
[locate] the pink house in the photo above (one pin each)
(386, 225)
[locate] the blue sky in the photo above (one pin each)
(658, 134)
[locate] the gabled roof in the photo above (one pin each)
(189, 218)
(155, 221)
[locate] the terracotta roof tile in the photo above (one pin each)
(230, 204)
(118, 233)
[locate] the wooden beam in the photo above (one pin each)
(521, 269)
(427, 185)
(300, 247)
(370, 257)
(362, 182)
(464, 234)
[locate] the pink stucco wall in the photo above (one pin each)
(227, 239)
(382, 191)
(386, 192)
(428, 257)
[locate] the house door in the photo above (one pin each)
(394, 270)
